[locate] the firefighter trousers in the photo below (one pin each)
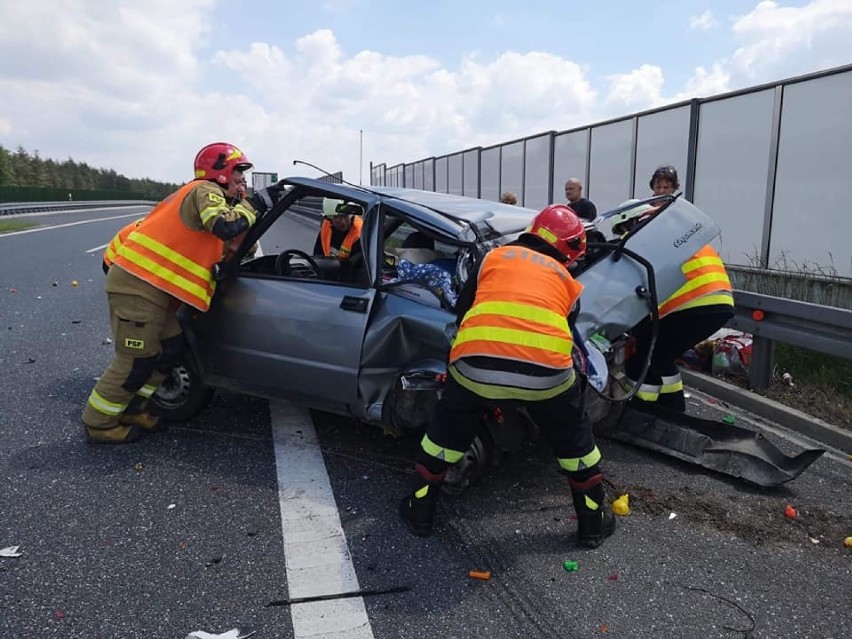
(679, 331)
(562, 420)
(148, 342)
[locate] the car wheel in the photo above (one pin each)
(181, 396)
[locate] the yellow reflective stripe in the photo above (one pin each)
(709, 300)
(513, 336)
(167, 274)
(546, 235)
(698, 282)
(246, 213)
(591, 504)
(698, 262)
(439, 452)
(494, 391)
(210, 212)
(105, 406)
(422, 492)
(110, 253)
(520, 311)
(671, 384)
(147, 390)
(171, 255)
(573, 464)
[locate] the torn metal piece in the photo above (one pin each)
(10, 551)
(725, 448)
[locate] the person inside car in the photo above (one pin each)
(513, 349)
(340, 230)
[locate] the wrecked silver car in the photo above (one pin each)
(368, 336)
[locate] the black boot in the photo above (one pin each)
(417, 510)
(595, 521)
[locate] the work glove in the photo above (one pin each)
(263, 200)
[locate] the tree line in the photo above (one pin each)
(21, 169)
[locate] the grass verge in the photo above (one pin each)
(7, 226)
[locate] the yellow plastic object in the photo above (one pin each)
(848, 542)
(621, 506)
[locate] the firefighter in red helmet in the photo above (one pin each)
(513, 348)
(165, 261)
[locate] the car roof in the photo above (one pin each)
(453, 214)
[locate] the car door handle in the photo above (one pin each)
(357, 304)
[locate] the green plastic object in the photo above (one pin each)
(729, 419)
(570, 566)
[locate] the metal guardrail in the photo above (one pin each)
(775, 319)
(15, 208)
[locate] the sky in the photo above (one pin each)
(140, 86)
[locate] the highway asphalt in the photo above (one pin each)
(183, 531)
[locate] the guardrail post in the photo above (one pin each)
(762, 364)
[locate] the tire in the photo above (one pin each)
(181, 396)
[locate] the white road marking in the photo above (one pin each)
(62, 226)
(315, 550)
(98, 248)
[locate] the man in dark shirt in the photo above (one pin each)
(581, 206)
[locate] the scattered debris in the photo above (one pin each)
(621, 506)
(13, 290)
(570, 566)
(107, 341)
(848, 542)
(76, 321)
(746, 631)
(181, 544)
(30, 360)
(788, 379)
(791, 512)
(10, 551)
(672, 516)
(58, 614)
(75, 283)
(729, 419)
(215, 561)
(604, 629)
(233, 633)
(171, 506)
(814, 540)
(613, 577)
(483, 575)
(138, 468)
(364, 592)
(55, 283)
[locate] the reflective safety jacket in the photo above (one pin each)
(170, 256)
(519, 322)
(118, 240)
(345, 250)
(707, 284)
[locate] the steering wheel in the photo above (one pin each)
(282, 263)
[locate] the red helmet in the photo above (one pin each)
(560, 227)
(218, 160)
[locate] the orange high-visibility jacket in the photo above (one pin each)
(348, 242)
(167, 254)
(118, 240)
(521, 309)
(707, 284)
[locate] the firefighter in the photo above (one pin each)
(700, 307)
(513, 349)
(166, 260)
(340, 229)
(116, 242)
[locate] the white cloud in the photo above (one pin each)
(702, 22)
(140, 92)
(641, 88)
(780, 41)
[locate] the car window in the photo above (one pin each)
(417, 264)
(297, 246)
